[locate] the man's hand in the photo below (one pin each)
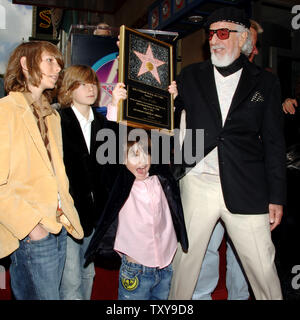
(173, 89)
(289, 105)
(275, 215)
(38, 233)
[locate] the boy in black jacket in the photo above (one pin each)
(142, 221)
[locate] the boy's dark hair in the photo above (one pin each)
(143, 140)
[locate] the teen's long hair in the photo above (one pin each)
(73, 77)
(15, 80)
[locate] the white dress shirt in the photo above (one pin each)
(226, 87)
(85, 125)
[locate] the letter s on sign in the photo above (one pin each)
(44, 16)
(296, 18)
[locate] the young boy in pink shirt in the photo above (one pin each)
(142, 221)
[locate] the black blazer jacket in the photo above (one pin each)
(119, 181)
(251, 145)
(84, 172)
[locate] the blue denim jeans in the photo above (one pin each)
(36, 267)
(77, 280)
(137, 282)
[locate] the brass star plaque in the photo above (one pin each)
(146, 68)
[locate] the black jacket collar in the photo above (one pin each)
(69, 117)
(207, 84)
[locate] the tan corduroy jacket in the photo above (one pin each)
(29, 186)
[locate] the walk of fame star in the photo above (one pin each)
(149, 63)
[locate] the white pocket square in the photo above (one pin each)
(257, 97)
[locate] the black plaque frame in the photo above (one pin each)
(149, 105)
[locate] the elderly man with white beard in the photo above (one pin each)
(236, 283)
(241, 179)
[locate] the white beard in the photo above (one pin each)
(224, 60)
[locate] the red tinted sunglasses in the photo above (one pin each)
(222, 34)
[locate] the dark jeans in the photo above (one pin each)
(37, 266)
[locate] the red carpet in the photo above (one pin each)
(220, 292)
(6, 294)
(106, 282)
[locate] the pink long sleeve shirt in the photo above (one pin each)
(145, 229)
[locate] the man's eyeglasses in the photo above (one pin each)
(222, 34)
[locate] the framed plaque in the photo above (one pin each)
(146, 69)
